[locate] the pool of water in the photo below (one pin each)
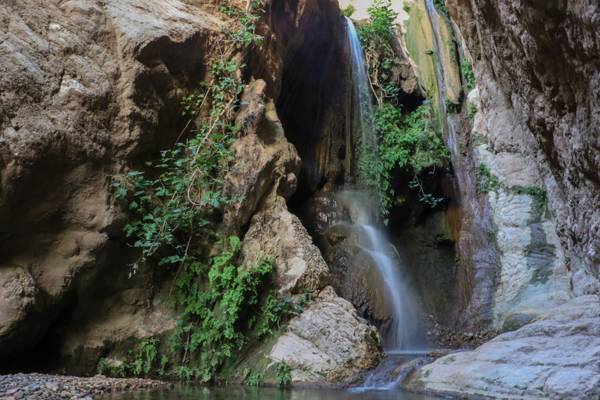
(244, 393)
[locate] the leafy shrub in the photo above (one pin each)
(468, 75)
(537, 193)
(408, 143)
(487, 181)
(348, 11)
(253, 379)
(284, 375)
(376, 36)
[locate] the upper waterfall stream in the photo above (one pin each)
(404, 332)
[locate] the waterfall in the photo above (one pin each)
(363, 122)
(403, 333)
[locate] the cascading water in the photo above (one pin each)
(403, 333)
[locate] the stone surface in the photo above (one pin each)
(264, 158)
(276, 233)
(85, 87)
(52, 387)
(543, 57)
(303, 61)
(532, 277)
(328, 342)
(553, 358)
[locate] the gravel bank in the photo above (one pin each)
(53, 387)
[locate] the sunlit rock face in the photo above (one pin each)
(328, 342)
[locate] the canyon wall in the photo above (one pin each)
(534, 144)
(91, 89)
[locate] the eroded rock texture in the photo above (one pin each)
(554, 358)
(537, 69)
(328, 342)
(85, 88)
(544, 57)
(304, 62)
(89, 89)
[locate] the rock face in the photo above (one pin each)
(276, 233)
(534, 145)
(544, 58)
(328, 342)
(554, 358)
(91, 89)
(532, 277)
(303, 61)
(86, 87)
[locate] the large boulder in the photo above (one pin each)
(553, 358)
(278, 234)
(328, 342)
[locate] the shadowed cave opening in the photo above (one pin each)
(316, 108)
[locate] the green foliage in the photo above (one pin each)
(537, 193)
(253, 379)
(103, 367)
(376, 37)
(143, 361)
(471, 111)
(451, 107)
(216, 312)
(144, 357)
(174, 206)
(488, 182)
(284, 375)
(440, 5)
(348, 11)
(468, 75)
(274, 313)
(244, 32)
(408, 143)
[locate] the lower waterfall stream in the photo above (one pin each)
(403, 335)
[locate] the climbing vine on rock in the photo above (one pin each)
(174, 207)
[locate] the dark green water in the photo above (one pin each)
(243, 393)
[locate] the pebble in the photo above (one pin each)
(55, 387)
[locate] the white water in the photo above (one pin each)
(364, 114)
(404, 332)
